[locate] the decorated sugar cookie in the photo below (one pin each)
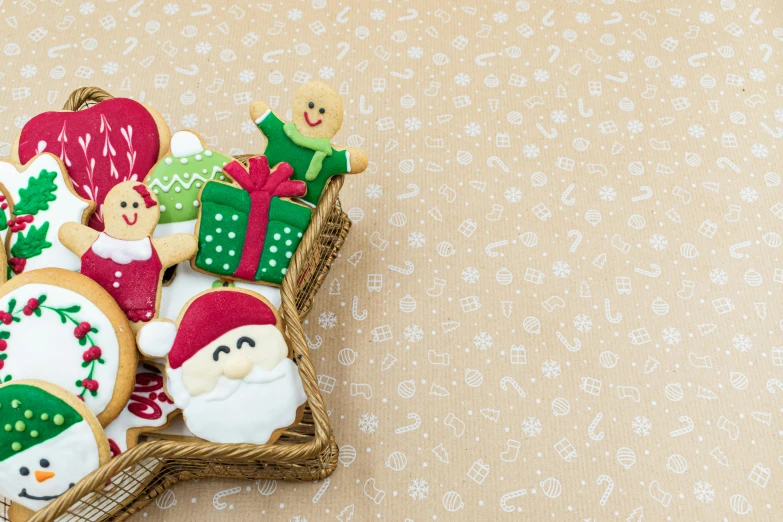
(111, 142)
(124, 259)
(305, 142)
(228, 367)
(38, 198)
(61, 327)
(49, 440)
(149, 409)
(246, 231)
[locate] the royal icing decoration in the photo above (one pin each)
(247, 232)
(149, 408)
(41, 199)
(46, 445)
(305, 142)
(113, 141)
(226, 356)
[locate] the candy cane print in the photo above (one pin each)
(414, 191)
(410, 427)
(564, 197)
(655, 272)
(612, 319)
(510, 496)
(724, 162)
(576, 346)
(321, 491)
(355, 310)
(577, 241)
(408, 270)
(314, 345)
(647, 193)
(551, 134)
(608, 490)
(344, 48)
(494, 161)
(733, 249)
(774, 383)
(593, 425)
(362, 108)
(505, 382)
(685, 429)
(490, 248)
(219, 505)
(547, 19)
(555, 50)
(588, 112)
(777, 133)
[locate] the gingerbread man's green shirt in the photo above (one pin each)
(281, 148)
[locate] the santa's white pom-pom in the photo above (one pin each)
(185, 143)
(156, 338)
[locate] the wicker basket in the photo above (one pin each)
(304, 452)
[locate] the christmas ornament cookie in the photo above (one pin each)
(124, 259)
(48, 442)
(38, 198)
(305, 142)
(245, 230)
(61, 327)
(113, 141)
(228, 367)
(149, 409)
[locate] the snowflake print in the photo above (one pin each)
(531, 427)
(749, 195)
(719, 276)
(704, 492)
(706, 17)
(658, 242)
(559, 116)
(530, 151)
(758, 75)
(326, 73)
(203, 47)
(540, 75)
(248, 127)
(299, 518)
(413, 123)
(413, 333)
(779, 115)
(550, 369)
(20, 121)
(416, 239)
(583, 323)
(561, 269)
(28, 71)
(110, 68)
(759, 150)
(677, 80)
(742, 343)
(500, 17)
(641, 426)
(415, 52)
(582, 18)
(607, 193)
(327, 320)
(470, 275)
(462, 79)
(171, 9)
(373, 191)
(625, 56)
(377, 15)
(246, 76)
(418, 489)
(671, 335)
(368, 423)
(190, 121)
(87, 8)
(294, 15)
(483, 341)
(513, 194)
(635, 126)
(696, 131)
(472, 129)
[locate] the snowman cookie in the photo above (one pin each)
(124, 259)
(305, 141)
(49, 440)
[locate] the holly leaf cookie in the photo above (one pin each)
(113, 141)
(305, 141)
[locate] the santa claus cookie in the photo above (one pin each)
(36, 199)
(124, 259)
(113, 141)
(49, 440)
(228, 367)
(61, 327)
(305, 141)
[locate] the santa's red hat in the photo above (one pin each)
(209, 315)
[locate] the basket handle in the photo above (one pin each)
(85, 97)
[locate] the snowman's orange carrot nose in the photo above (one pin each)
(43, 476)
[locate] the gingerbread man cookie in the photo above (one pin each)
(305, 141)
(124, 259)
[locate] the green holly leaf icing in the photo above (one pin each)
(30, 416)
(32, 244)
(37, 195)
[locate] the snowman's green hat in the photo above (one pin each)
(29, 416)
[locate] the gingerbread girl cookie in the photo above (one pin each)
(124, 259)
(305, 142)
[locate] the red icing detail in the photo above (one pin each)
(145, 408)
(3, 345)
(307, 119)
(81, 329)
(137, 290)
(6, 318)
(92, 354)
(114, 448)
(2, 364)
(145, 194)
(90, 384)
(113, 141)
(30, 307)
(262, 185)
(128, 221)
(148, 382)
(17, 264)
(213, 314)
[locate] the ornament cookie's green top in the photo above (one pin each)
(30, 416)
(177, 179)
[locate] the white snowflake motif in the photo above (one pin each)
(203, 47)
(531, 427)
(470, 275)
(719, 276)
(294, 15)
(583, 323)
(500, 17)
(368, 423)
(582, 18)
(21, 120)
(561, 269)
(413, 333)
(171, 9)
(779, 114)
(677, 81)
(462, 79)
(607, 193)
(531, 151)
(742, 343)
(635, 126)
(190, 121)
(658, 242)
(550, 369)
(418, 489)
(749, 195)
(473, 129)
(704, 492)
(540, 75)
(377, 15)
(326, 73)
(247, 127)
(758, 75)
(415, 52)
(28, 71)
(416, 239)
(696, 131)
(327, 320)
(299, 518)
(641, 426)
(87, 8)
(559, 116)
(413, 123)
(373, 191)
(483, 341)
(759, 150)
(247, 76)
(706, 17)
(625, 56)
(671, 335)
(110, 68)
(513, 194)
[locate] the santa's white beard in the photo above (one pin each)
(242, 411)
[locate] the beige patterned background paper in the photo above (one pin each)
(561, 296)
